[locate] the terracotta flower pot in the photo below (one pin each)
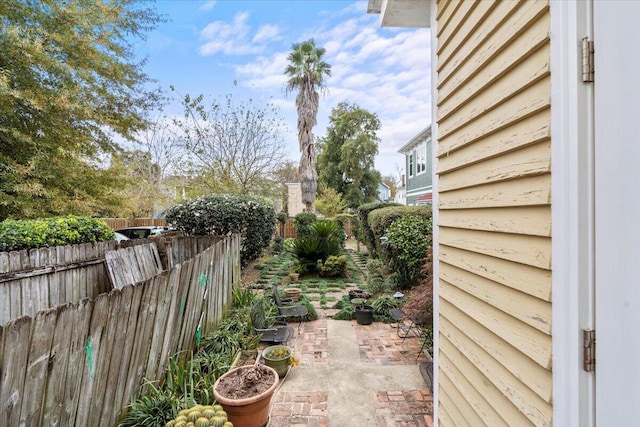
(293, 293)
(247, 412)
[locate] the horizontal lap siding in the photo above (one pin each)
(494, 201)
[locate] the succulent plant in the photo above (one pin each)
(194, 414)
(201, 416)
(208, 412)
(218, 421)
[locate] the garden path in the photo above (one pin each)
(352, 374)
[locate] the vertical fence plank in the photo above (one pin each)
(161, 284)
(183, 293)
(58, 364)
(103, 407)
(94, 360)
(171, 331)
(12, 369)
(37, 363)
(130, 383)
(78, 358)
(142, 336)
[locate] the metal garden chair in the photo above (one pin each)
(278, 331)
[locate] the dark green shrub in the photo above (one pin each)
(367, 232)
(334, 266)
(277, 245)
(222, 214)
(381, 219)
(322, 241)
(383, 304)
(408, 239)
(375, 276)
(303, 220)
(55, 231)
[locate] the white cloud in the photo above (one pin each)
(232, 38)
(384, 71)
(266, 33)
(208, 5)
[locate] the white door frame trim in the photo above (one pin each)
(572, 214)
(435, 214)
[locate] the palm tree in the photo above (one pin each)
(306, 72)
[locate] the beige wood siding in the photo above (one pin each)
(494, 189)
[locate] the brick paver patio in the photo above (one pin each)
(377, 347)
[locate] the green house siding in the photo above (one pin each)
(418, 183)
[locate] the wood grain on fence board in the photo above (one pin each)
(12, 370)
(37, 364)
(82, 363)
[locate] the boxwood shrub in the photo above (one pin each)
(17, 235)
(222, 214)
(303, 220)
(408, 239)
(381, 219)
(367, 232)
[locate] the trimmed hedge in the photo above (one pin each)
(222, 214)
(408, 239)
(381, 219)
(367, 232)
(56, 231)
(303, 220)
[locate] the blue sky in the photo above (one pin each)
(206, 46)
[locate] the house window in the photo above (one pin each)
(411, 165)
(421, 159)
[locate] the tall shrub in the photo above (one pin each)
(222, 214)
(381, 219)
(55, 231)
(367, 232)
(408, 240)
(303, 220)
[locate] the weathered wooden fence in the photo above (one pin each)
(47, 277)
(289, 229)
(116, 223)
(80, 364)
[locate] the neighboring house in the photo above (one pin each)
(294, 199)
(417, 154)
(384, 192)
(536, 201)
(401, 192)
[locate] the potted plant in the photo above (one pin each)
(359, 293)
(245, 394)
(293, 293)
(279, 357)
(364, 312)
(201, 415)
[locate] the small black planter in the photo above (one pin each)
(364, 315)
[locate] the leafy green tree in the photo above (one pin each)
(329, 203)
(347, 154)
(306, 72)
(68, 82)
